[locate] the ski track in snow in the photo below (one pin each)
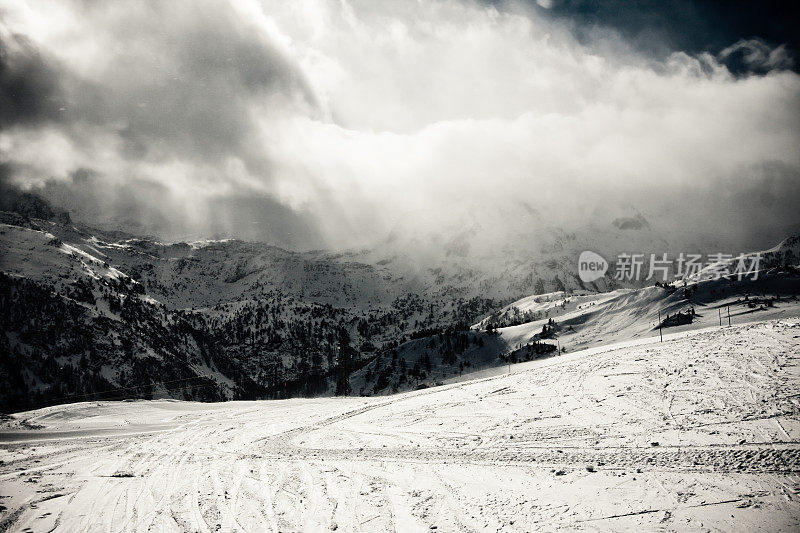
(700, 432)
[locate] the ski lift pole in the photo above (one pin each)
(660, 334)
(729, 315)
(720, 316)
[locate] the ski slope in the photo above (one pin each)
(698, 433)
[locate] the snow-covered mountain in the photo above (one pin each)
(541, 325)
(98, 314)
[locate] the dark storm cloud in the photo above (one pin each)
(174, 78)
(169, 93)
(258, 217)
(138, 206)
(195, 118)
(29, 85)
(189, 84)
(24, 203)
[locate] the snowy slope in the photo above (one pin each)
(578, 322)
(540, 306)
(699, 433)
(41, 256)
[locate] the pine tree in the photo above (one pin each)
(539, 288)
(343, 364)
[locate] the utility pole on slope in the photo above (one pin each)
(729, 315)
(720, 316)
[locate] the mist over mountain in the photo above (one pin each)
(344, 126)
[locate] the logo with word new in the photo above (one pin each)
(591, 266)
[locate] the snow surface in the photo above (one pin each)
(698, 433)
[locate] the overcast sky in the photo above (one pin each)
(316, 123)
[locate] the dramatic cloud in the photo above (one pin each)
(327, 123)
(28, 86)
(757, 55)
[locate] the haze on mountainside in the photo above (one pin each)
(323, 124)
